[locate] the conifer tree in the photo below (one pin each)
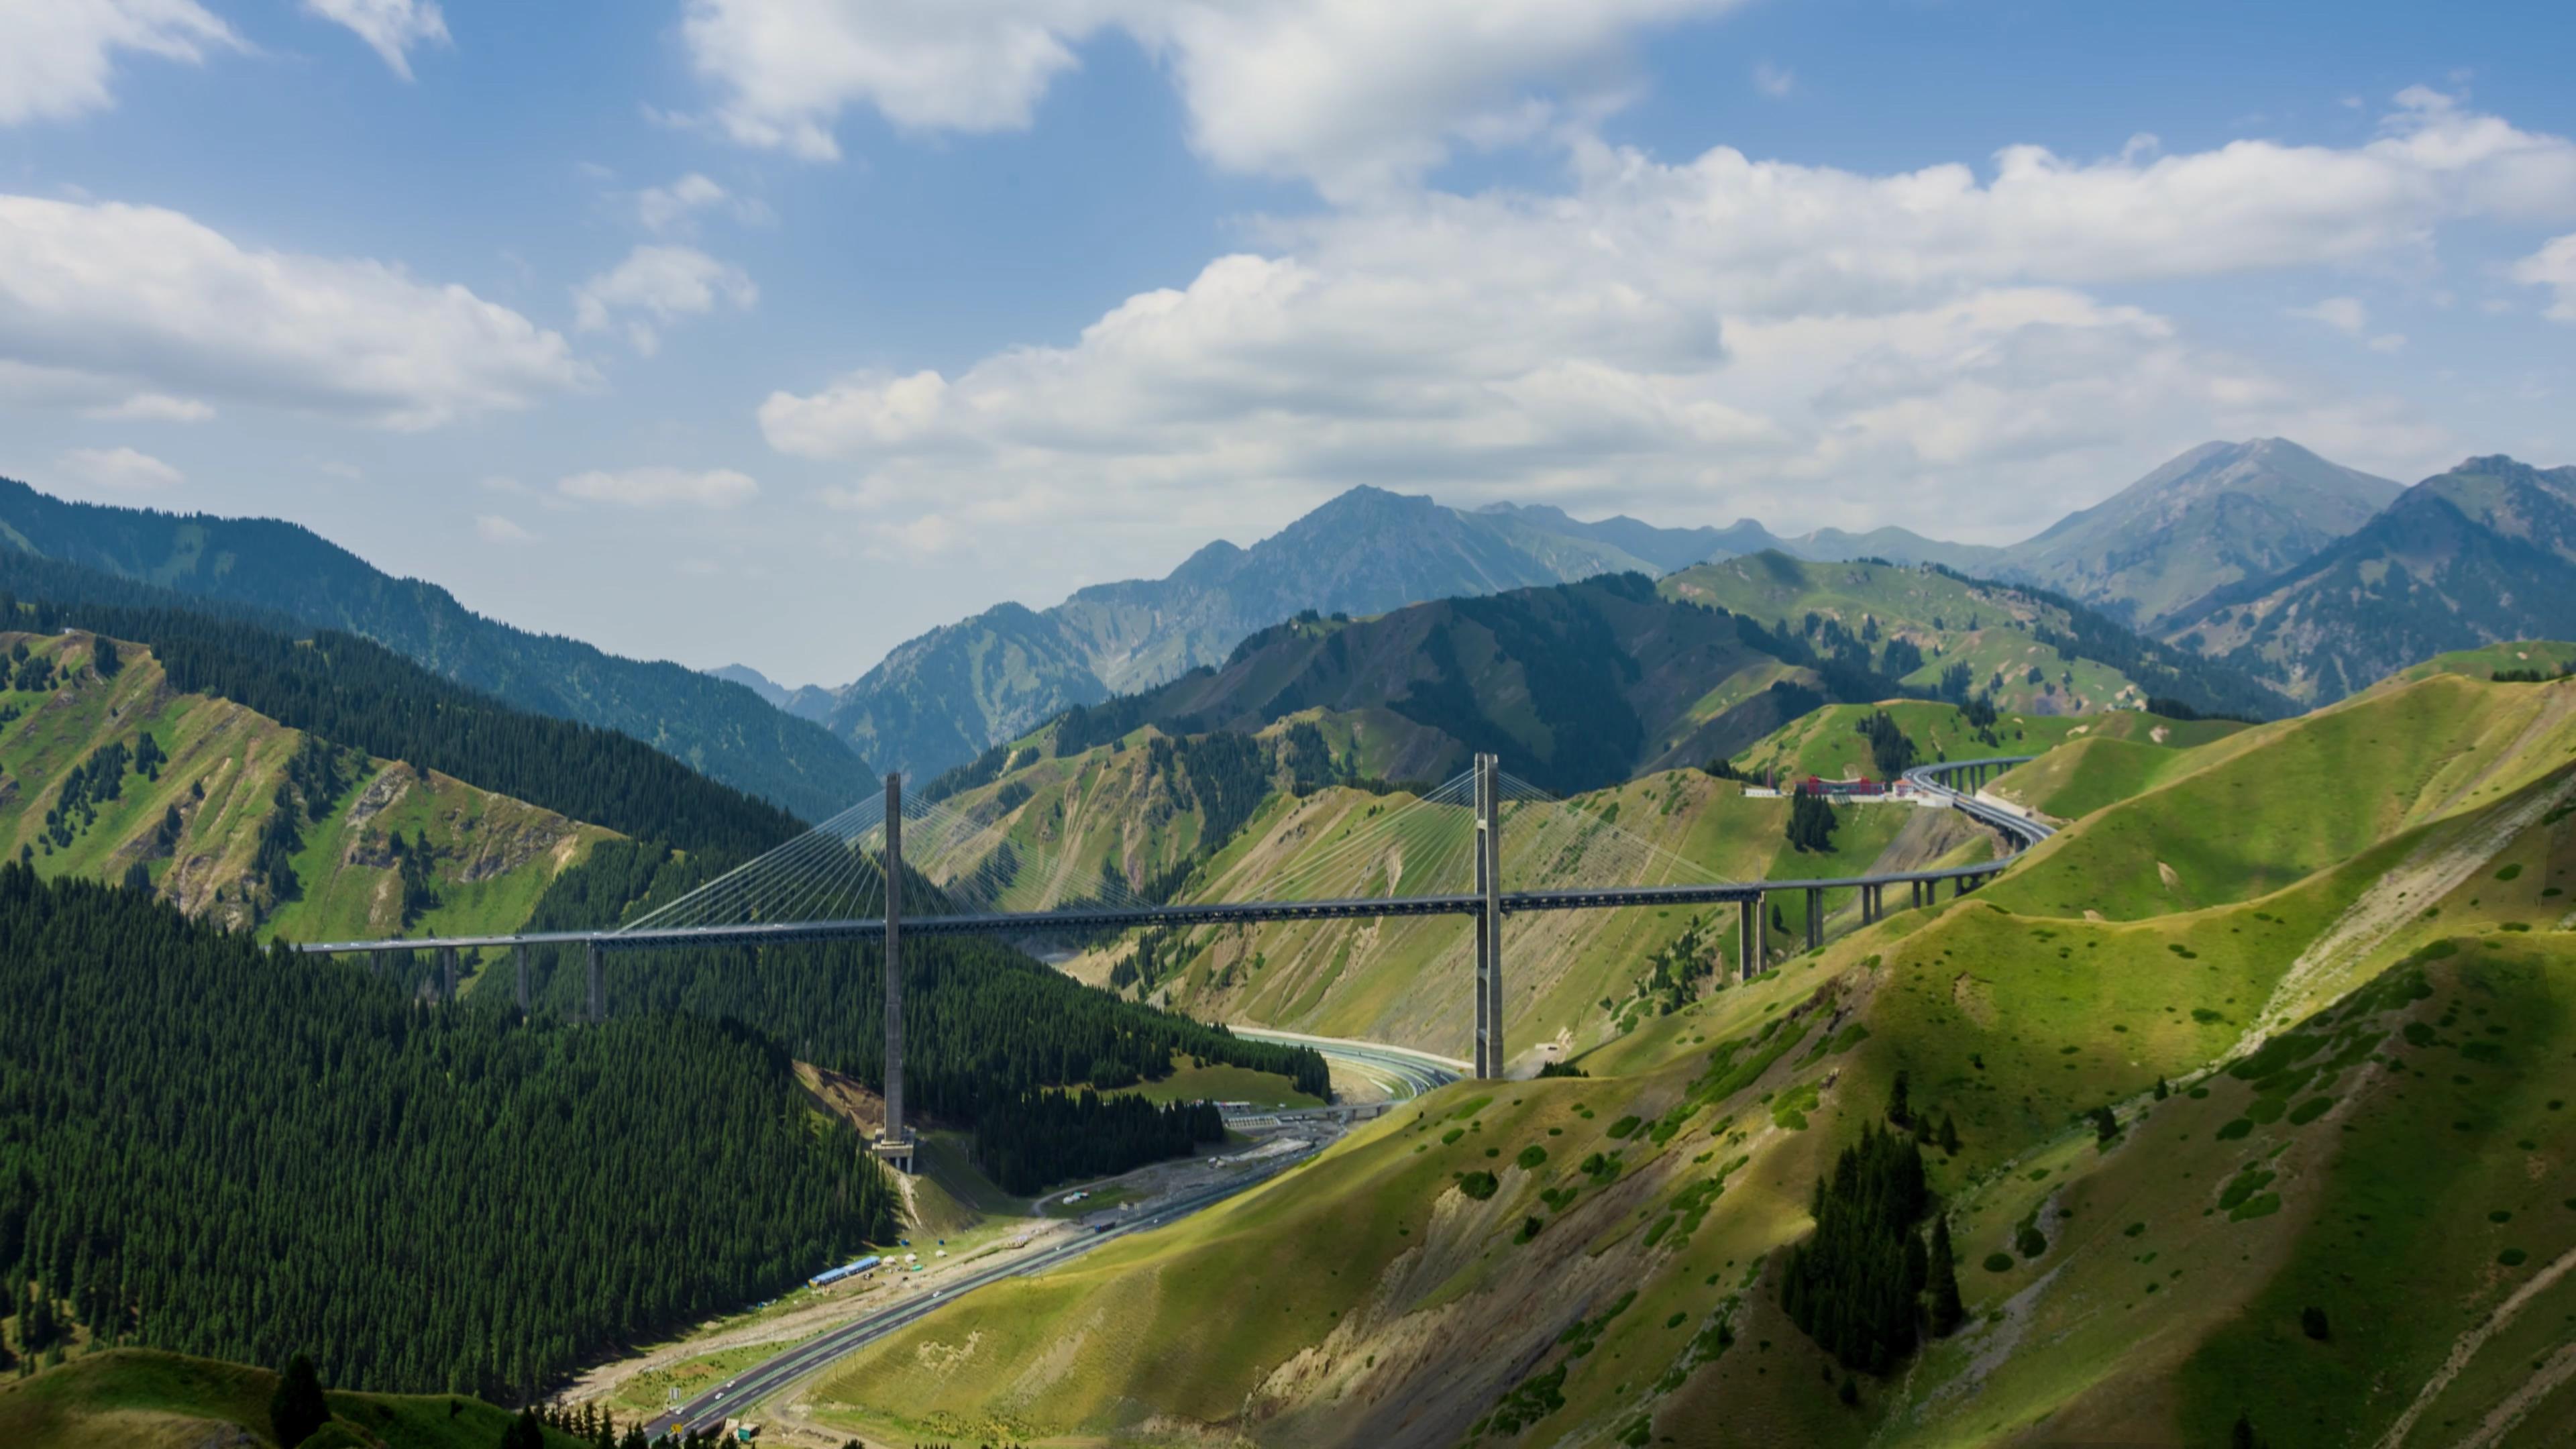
(1898, 1111)
(1946, 1308)
(1949, 1134)
(297, 1410)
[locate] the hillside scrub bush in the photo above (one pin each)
(1479, 1185)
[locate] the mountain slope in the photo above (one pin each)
(2481, 554)
(2027, 650)
(722, 729)
(2217, 514)
(1575, 685)
(197, 819)
(941, 699)
(1630, 1258)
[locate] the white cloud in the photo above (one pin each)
(56, 56)
(660, 208)
(1353, 94)
(389, 27)
(656, 285)
(2346, 315)
(493, 528)
(2553, 266)
(1795, 340)
(1774, 81)
(137, 298)
(118, 470)
(152, 407)
(661, 487)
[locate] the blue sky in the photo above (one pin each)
(780, 330)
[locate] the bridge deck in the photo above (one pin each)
(1081, 920)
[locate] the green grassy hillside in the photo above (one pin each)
(490, 857)
(2265, 807)
(2545, 656)
(1601, 1261)
(1828, 741)
(136, 1398)
(2030, 652)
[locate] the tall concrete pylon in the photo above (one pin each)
(1489, 918)
(596, 999)
(895, 1145)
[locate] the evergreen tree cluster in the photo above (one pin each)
(1811, 820)
(984, 1025)
(98, 780)
(367, 697)
(221, 1151)
(1856, 1287)
(1890, 749)
(1037, 1139)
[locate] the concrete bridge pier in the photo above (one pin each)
(1815, 917)
(1749, 933)
(519, 960)
(595, 1001)
(1868, 905)
(894, 1146)
(1490, 1055)
(447, 973)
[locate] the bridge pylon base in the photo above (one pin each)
(894, 1152)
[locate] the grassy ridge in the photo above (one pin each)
(139, 1396)
(2263, 808)
(492, 856)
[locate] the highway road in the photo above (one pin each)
(1407, 1072)
(768, 1379)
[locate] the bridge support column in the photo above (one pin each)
(1868, 905)
(595, 998)
(1748, 936)
(894, 1145)
(447, 973)
(1490, 1055)
(1815, 917)
(519, 960)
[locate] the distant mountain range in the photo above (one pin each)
(2217, 515)
(942, 698)
(2481, 554)
(726, 732)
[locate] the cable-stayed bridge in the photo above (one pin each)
(1485, 845)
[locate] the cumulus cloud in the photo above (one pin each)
(1352, 94)
(1801, 340)
(119, 470)
(655, 286)
(57, 56)
(118, 299)
(389, 27)
(152, 407)
(661, 487)
(2553, 266)
(493, 528)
